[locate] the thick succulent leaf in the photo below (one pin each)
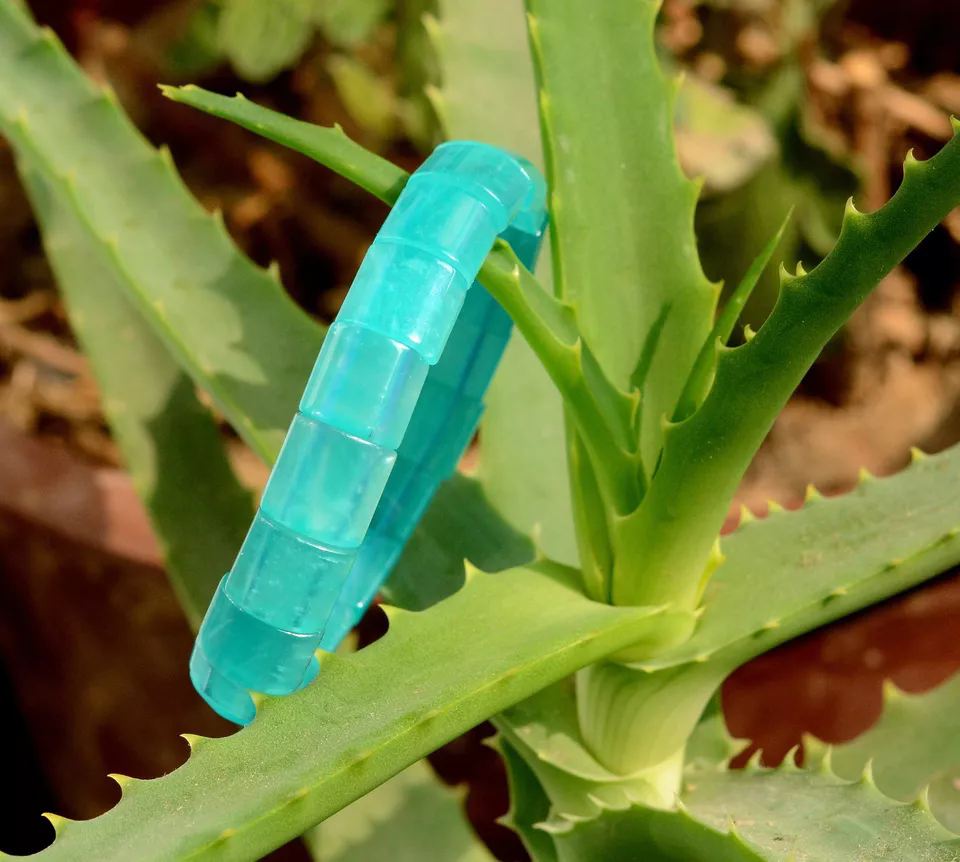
(487, 93)
(704, 457)
(366, 717)
(460, 525)
(529, 805)
(830, 558)
(606, 112)
(409, 818)
(701, 375)
(261, 39)
(329, 146)
(169, 440)
(915, 743)
(228, 323)
(758, 815)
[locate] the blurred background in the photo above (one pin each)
(788, 104)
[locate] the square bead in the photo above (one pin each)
(326, 484)
(251, 653)
(498, 173)
(285, 579)
(445, 220)
(365, 383)
(407, 294)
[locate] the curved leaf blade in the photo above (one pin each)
(606, 115)
(826, 560)
(228, 322)
(367, 716)
(167, 437)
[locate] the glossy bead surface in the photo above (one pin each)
(326, 483)
(365, 383)
(286, 580)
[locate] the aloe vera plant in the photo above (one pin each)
(597, 612)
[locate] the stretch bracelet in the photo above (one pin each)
(391, 404)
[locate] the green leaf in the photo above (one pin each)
(368, 97)
(169, 440)
(701, 375)
(704, 457)
(348, 23)
(228, 323)
(914, 744)
(459, 525)
(529, 805)
(606, 113)
(409, 818)
(788, 814)
(757, 815)
(487, 93)
(366, 717)
(826, 560)
(328, 146)
(263, 38)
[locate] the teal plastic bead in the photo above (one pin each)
(407, 294)
(379, 554)
(488, 171)
(365, 383)
(444, 219)
(341, 502)
(402, 507)
(251, 653)
(285, 579)
(326, 484)
(439, 405)
(487, 355)
(232, 701)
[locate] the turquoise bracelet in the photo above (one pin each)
(393, 401)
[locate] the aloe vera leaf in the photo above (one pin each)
(228, 322)
(914, 744)
(705, 456)
(758, 815)
(755, 814)
(701, 375)
(606, 115)
(826, 560)
(408, 818)
(329, 146)
(460, 525)
(529, 805)
(167, 437)
(368, 715)
(262, 39)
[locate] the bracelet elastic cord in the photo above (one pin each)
(391, 404)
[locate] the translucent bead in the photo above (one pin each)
(326, 484)
(251, 653)
(365, 383)
(285, 579)
(377, 557)
(445, 220)
(232, 701)
(407, 294)
(490, 170)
